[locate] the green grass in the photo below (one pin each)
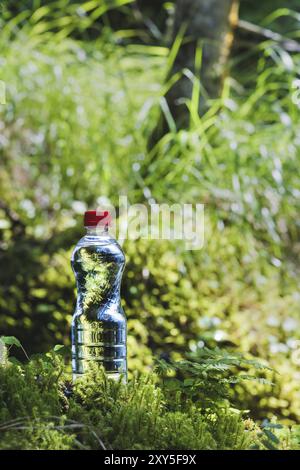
(75, 129)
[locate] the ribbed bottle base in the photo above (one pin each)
(110, 375)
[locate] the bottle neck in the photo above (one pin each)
(97, 231)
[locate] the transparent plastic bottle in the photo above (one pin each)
(99, 323)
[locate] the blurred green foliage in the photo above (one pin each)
(74, 133)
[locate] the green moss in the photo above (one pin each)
(101, 413)
(39, 409)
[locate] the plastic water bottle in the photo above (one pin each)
(99, 322)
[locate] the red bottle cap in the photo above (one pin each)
(95, 218)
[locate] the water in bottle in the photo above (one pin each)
(99, 323)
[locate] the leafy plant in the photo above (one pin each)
(209, 375)
(12, 341)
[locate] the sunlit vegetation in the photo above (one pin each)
(81, 104)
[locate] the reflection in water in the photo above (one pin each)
(99, 324)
